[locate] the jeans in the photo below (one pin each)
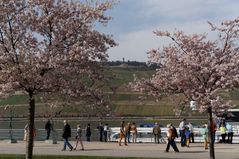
(128, 136)
(48, 132)
(192, 137)
(105, 136)
(66, 143)
(183, 137)
(230, 136)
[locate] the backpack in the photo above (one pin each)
(174, 133)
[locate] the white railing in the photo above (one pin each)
(145, 134)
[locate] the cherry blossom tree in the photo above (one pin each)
(197, 68)
(52, 46)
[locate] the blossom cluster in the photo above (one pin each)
(196, 67)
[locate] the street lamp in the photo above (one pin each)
(10, 125)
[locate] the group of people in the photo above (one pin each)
(67, 134)
(128, 132)
(186, 133)
(125, 132)
(226, 130)
(103, 131)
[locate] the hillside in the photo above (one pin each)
(124, 102)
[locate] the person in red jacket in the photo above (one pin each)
(213, 129)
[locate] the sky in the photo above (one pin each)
(134, 21)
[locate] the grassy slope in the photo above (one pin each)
(124, 102)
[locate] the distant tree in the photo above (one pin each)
(52, 47)
(197, 68)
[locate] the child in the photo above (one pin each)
(187, 135)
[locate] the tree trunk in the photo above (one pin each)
(210, 133)
(30, 136)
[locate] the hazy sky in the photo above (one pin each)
(134, 21)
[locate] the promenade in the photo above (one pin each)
(148, 150)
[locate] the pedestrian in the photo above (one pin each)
(182, 132)
(48, 128)
(78, 137)
(214, 129)
(204, 133)
(122, 134)
(128, 129)
(156, 132)
(187, 136)
(134, 132)
(26, 131)
(223, 132)
(190, 126)
(106, 129)
(66, 135)
(109, 134)
(101, 131)
(229, 133)
(88, 133)
(171, 135)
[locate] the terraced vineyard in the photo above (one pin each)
(124, 102)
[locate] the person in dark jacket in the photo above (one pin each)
(88, 133)
(48, 128)
(66, 135)
(157, 133)
(101, 131)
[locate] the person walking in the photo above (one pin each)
(171, 134)
(182, 132)
(88, 133)
(134, 132)
(48, 128)
(122, 134)
(66, 135)
(78, 137)
(229, 133)
(156, 132)
(26, 132)
(204, 133)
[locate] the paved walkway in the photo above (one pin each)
(148, 150)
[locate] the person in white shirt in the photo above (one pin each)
(229, 133)
(106, 129)
(182, 132)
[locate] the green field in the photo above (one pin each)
(124, 102)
